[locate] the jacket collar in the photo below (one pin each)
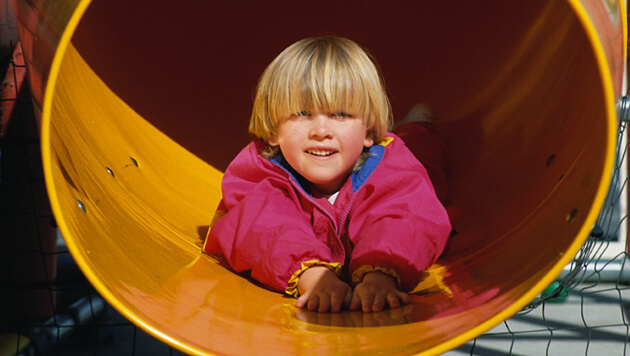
(358, 178)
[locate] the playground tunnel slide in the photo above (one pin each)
(144, 103)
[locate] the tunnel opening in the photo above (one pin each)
(152, 102)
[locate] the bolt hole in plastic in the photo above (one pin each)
(172, 82)
(81, 206)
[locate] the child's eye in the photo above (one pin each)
(342, 114)
(302, 113)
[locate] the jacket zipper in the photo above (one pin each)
(345, 215)
(336, 225)
(317, 205)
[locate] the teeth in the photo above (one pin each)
(320, 153)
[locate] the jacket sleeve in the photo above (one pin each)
(399, 226)
(263, 229)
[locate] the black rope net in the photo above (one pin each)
(585, 311)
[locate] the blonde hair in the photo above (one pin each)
(326, 73)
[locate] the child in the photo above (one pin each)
(325, 199)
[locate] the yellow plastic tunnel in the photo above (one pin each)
(144, 103)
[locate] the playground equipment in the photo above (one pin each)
(143, 103)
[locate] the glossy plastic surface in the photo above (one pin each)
(144, 103)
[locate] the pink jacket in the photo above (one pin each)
(386, 217)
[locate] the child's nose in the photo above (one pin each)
(320, 127)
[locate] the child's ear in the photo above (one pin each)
(273, 141)
(368, 142)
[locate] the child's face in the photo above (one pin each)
(322, 147)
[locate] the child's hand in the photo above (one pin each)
(377, 290)
(322, 291)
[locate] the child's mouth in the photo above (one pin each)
(320, 153)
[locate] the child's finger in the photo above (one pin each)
(313, 303)
(379, 302)
(324, 304)
(347, 300)
(404, 297)
(335, 303)
(341, 299)
(302, 301)
(355, 304)
(393, 301)
(367, 300)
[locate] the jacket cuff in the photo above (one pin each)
(293, 281)
(359, 273)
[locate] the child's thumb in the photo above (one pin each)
(302, 301)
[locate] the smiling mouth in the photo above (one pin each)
(320, 153)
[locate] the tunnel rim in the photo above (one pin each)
(517, 305)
